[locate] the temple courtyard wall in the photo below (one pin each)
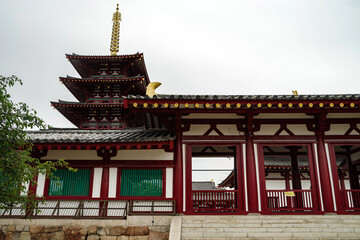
(252, 226)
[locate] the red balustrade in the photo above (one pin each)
(289, 200)
(214, 200)
(350, 199)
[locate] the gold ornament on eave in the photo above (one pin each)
(114, 45)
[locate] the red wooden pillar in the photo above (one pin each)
(178, 171)
(251, 179)
(106, 154)
(321, 127)
(104, 192)
(251, 175)
(324, 175)
(33, 186)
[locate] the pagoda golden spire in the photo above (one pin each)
(114, 46)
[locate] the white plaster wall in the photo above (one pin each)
(227, 129)
(26, 190)
(338, 129)
(343, 115)
(275, 184)
(112, 182)
(144, 154)
(197, 129)
(212, 116)
(169, 182)
(268, 129)
(97, 182)
(72, 155)
(40, 185)
(299, 129)
(282, 116)
(306, 184)
(355, 156)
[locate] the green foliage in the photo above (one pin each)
(17, 167)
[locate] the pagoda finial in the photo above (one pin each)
(114, 46)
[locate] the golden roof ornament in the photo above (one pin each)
(114, 46)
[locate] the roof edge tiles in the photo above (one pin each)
(77, 56)
(59, 136)
(251, 97)
(102, 79)
(84, 104)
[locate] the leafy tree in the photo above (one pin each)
(17, 166)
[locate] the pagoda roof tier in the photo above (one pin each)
(238, 103)
(100, 136)
(84, 64)
(77, 112)
(116, 79)
(62, 103)
(81, 87)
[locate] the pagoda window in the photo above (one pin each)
(141, 182)
(68, 183)
(116, 91)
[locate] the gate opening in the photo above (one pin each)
(214, 185)
(289, 181)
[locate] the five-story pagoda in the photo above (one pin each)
(103, 80)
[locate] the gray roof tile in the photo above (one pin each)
(99, 136)
(251, 97)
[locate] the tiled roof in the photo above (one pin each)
(83, 104)
(251, 97)
(99, 136)
(208, 185)
(108, 57)
(105, 78)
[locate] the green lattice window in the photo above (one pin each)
(69, 183)
(141, 182)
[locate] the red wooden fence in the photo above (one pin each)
(281, 201)
(350, 199)
(214, 200)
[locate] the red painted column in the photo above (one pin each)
(33, 186)
(104, 192)
(251, 175)
(324, 174)
(178, 171)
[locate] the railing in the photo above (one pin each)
(82, 209)
(217, 200)
(289, 200)
(350, 199)
(152, 207)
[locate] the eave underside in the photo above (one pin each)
(84, 64)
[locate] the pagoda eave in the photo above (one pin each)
(104, 57)
(86, 105)
(102, 79)
(82, 63)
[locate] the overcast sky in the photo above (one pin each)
(190, 46)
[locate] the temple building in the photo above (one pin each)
(135, 150)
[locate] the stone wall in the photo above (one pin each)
(78, 232)
(132, 228)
